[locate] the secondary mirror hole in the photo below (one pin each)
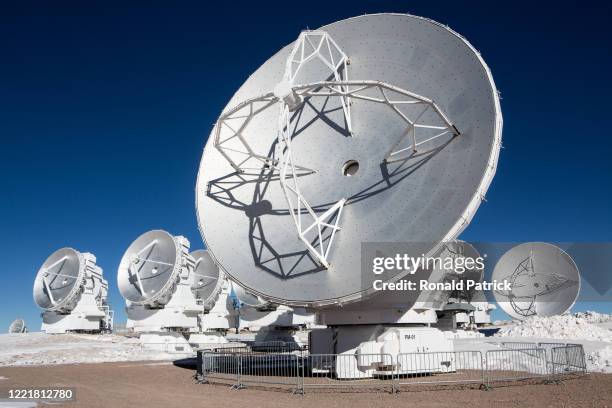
(350, 168)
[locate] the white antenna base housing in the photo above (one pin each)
(83, 321)
(253, 319)
(179, 314)
(363, 358)
(221, 316)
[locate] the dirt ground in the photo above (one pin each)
(167, 385)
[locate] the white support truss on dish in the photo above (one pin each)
(425, 124)
(319, 45)
(395, 98)
(229, 137)
(370, 91)
(291, 190)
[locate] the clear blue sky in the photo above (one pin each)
(105, 109)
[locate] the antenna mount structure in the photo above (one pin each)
(72, 292)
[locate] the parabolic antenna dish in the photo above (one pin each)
(476, 274)
(544, 280)
(463, 267)
(378, 128)
(471, 272)
(208, 279)
(150, 268)
(58, 283)
(247, 299)
(17, 326)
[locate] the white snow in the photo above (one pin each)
(566, 327)
(44, 349)
(591, 329)
(594, 317)
(600, 360)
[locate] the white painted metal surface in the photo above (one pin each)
(305, 164)
(18, 326)
(545, 280)
(212, 291)
(156, 278)
(255, 313)
(72, 292)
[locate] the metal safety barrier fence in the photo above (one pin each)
(548, 347)
(456, 367)
(299, 372)
(219, 367)
(242, 369)
(348, 371)
(516, 364)
(568, 359)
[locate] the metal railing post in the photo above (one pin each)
(238, 363)
(303, 369)
(488, 372)
(395, 375)
(483, 384)
(299, 386)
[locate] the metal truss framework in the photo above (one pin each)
(420, 115)
(318, 44)
(47, 272)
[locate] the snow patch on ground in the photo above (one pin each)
(45, 349)
(594, 317)
(568, 327)
(600, 361)
(591, 329)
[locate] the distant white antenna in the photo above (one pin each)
(18, 326)
(208, 280)
(212, 291)
(544, 280)
(71, 290)
(155, 277)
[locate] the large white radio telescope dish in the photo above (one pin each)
(544, 280)
(378, 128)
(208, 279)
(150, 268)
(59, 282)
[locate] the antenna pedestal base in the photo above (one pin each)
(283, 317)
(179, 314)
(481, 316)
(208, 340)
(142, 320)
(166, 343)
(371, 350)
(55, 323)
(221, 316)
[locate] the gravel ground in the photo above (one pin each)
(132, 384)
